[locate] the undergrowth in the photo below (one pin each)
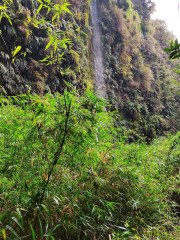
(67, 173)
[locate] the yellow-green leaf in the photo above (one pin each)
(2, 7)
(50, 42)
(16, 50)
(39, 9)
(55, 46)
(7, 17)
(4, 234)
(51, 54)
(84, 33)
(54, 17)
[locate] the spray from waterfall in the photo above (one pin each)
(98, 58)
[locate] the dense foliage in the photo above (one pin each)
(138, 74)
(43, 69)
(66, 172)
(66, 169)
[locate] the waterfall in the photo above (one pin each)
(98, 62)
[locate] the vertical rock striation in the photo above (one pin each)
(98, 61)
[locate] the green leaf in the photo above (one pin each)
(45, 208)
(84, 33)
(2, 215)
(176, 56)
(13, 231)
(40, 211)
(48, 10)
(171, 44)
(55, 228)
(33, 233)
(51, 54)
(176, 43)
(9, 19)
(166, 49)
(68, 69)
(65, 9)
(54, 17)
(50, 42)
(55, 46)
(172, 55)
(40, 226)
(45, 59)
(4, 234)
(2, 7)
(20, 225)
(17, 49)
(39, 9)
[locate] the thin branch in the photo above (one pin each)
(6, 46)
(56, 156)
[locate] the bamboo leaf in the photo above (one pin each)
(40, 226)
(54, 17)
(2, 7)
(84, 33)
(65, 9)
(39, 9)
(33, 233)
(55, 46)
(12, 230)
(45, 59)
(9, 19)
(176, 43)
(45, 208)
(18, 223)
(17, 49)
(50, 42)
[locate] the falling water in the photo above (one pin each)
(98, 62)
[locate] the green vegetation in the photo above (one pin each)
(56, 38)
(72, 165)
(138, 74)
(64, 166)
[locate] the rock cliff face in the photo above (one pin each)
(26, 31)
(135, 74)
(139, 78)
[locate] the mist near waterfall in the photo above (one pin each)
(98, 60)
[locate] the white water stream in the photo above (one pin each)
(98, 57)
